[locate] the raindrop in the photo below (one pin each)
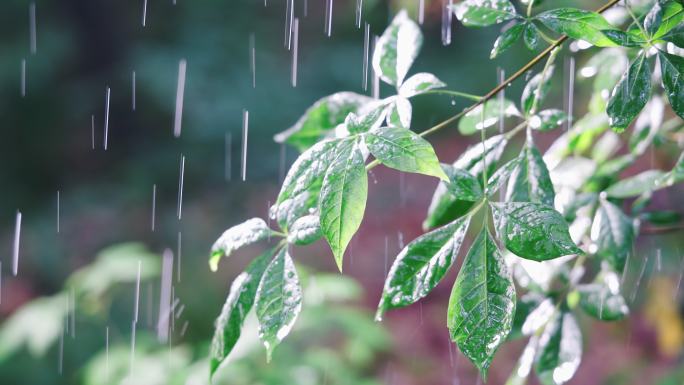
(289, 15)
(228, 142)
(676, 290)
(60, 359)
(132, 358)
(180, 186)
(133, 91)
(245, 134)
(144, 14)
(283, 159)
(446, 22)
(15, 247)
(571, 92)
(165, 296)
(294, 52)
(106, 122)
(400, 239)
(154, 204)
(421, 11)
(184, 328)
(178, 251)
(375, 90)
(57, 211)
(180, 90)
(252, 58)
(359, 9)
(92, 131)
(137, 293)
(23, 78)
(32, 27)
(641, 276)
(366, 48)
(328, 17)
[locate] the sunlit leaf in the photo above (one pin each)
(239, 302)
(246, 233)
(530, 181)
(630, 94)
(278, 300)
(420, 83)
(396, 49)
(560, 350)
(474, 120)
(482, 13)
(322, 118)
(672, 70)
(532, 230)
(613, 235)
(506, 39)
(654, 18)
(672, 16)
(404, 150)
(421, 265)
(366, 122)
(343, 197)
(482, 303)
(578, 24)
(399, 112)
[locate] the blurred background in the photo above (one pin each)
(66, 316)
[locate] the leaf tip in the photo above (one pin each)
(214, 260)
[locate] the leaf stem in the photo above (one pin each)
(453, 93)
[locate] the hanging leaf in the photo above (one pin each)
(445, 207)
(343, 197)
(531, 36)
(532, 230)
(462, 185)
(506, 39)
(602, 299)
(630, 94)
(399, 112)
(474, 120)
(483, 13)
(653, 19)
(613, 235)
(421, 265)
(548, 120)
(238, 304)
(501, 175)
(579, 25)
(533, 87)
(635, 185)
(560, 350)
(300, 190)
(396, 49)
(673, 15)
(278, 300)
(482, 303)
(251, 231)
(305, 230)
(322, 118)
(530, 181)
(672, 70)
(420, 83)
(404, 150)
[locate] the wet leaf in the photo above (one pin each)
(250, 231)
(579, 25)
(548, 120)
(366, 122)
(483, 13)
(445, 207)
(531, 36)
(532, 230)
(613, 234)
(419, 84)
(421, 265)
(647, 125)
(672, 70)
(560, 350)
(675, 36)
(278, 300)
(506, 39)
(503, 174)
(630, 94)
(533, 87)
(474, 120)
(404, 150)
(322, 118)
(530, 181)
(524, 306)
(399, 112)
(653, 19)
(482, 303)
(305, 230)
(635, 185)
(238, 304)
(343, 197)
(396, 49)
(602, 299)
(673, 15)
(300, 190)
(462, 184)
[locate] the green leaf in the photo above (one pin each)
(524, 306)
(674, 176)
(445, 207)
(548, 120)
(482, 303)
(672, 69)
(630, 94)
(506, 39)
(462, 184)
(673, 14)
(531, 36)
(251, 231)
(497, 180)
(420, 83)
(421, 265)
(302, 185)
(530, 181)
(613, 234)
(474, 121)
(560, 350)
(647, 125)
(653, 19)
(343, 198)
(661, 217)
(399, 112)
(322, 118)
(630, 39)
(404, 150)
(305, 230)
(675, 36)
(278, 300)
(579, 25)
(602, 299)
(533, 231)
(522, 369)
(483, 13)
(369, 121)
(396, 49)
(533, 87)
(238, 304)
(635, 185)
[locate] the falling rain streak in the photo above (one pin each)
(359, 10)
(23, 78)
(294, 51)
(92, 131)
(178, 252)
(133, 91)
(571, 91)
(366, 55)
(245, 134)
(58, 211)
(180, 186)
(15, 246)
(446, 22)
(144, 14)
(32, 28)
(421, 11)
(328, 17)
(252, 58)
(228, 155)
(165, 296)
(180, 90)
(154, 204)
(106, 122)
(289, 15)
(375, 90)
